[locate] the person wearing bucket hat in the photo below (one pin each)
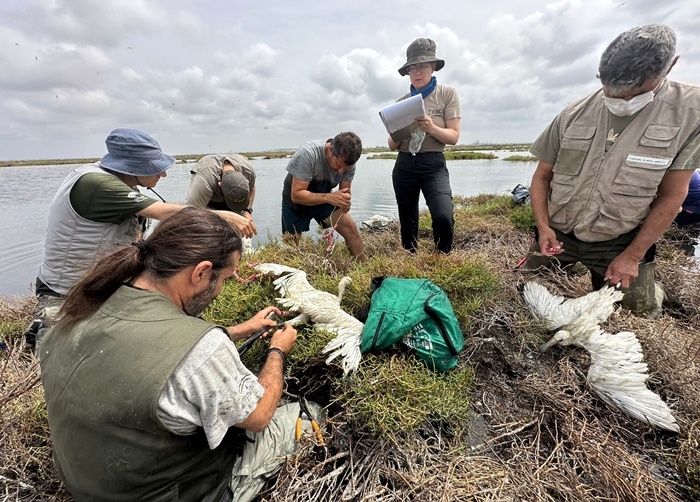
(420, 165)
(225, 182)
(97, 207)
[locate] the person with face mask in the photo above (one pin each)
(615, 166)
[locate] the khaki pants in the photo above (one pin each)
(642, 295)
(263, 458)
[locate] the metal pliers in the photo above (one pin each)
(303, 408)
(247, 344)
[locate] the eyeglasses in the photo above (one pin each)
(420, 67)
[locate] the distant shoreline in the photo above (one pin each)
(271, 154)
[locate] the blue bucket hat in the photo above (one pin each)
(136, 153)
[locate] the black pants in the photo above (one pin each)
(426, 172)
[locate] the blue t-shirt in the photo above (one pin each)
(692, 200)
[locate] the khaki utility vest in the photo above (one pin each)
(599, 196)
(102, 380)
(74, 243)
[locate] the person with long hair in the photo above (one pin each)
(147, 401)
(420, 165)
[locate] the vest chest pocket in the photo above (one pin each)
(642, 173)
(574, 147)
(659, 136)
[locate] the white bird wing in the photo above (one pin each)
(618, 375)
(347, 344)
(593, 308)
(323, 309)
(596, 305)
(542, 303)
(274, 268)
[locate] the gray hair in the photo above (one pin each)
(635, 56)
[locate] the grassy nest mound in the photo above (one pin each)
(508, 423)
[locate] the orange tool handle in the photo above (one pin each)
(298, 429)
(318, 431)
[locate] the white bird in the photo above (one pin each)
(617, 372)
(321, 308)
(376, 222)
(558, 312)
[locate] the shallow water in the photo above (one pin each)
(28, 191)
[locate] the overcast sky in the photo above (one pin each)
(206, 76)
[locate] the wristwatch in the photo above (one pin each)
(248, 210)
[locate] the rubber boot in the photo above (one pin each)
(641, 297)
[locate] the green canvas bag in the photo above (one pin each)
(418, 313)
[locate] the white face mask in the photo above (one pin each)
(622, 108)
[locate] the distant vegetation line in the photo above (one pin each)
(281, 154)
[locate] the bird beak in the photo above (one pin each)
(546, 346)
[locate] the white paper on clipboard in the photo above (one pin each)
(398, 118)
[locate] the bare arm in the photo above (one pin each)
(539, 193)
(162, 210)
(302, 195)
(669, 199)
(252, 196)
(448, 135)
(393, 145)
(272, 380)
(244, 226)
(248, 215)
(255, 323)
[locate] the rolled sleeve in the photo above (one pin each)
(211, 389)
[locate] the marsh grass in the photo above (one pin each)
(387, 156)
(521, 158)
(468, 155)
(392, 395)
(507, 424)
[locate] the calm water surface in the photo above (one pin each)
(28, 191)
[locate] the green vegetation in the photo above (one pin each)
(521, 158)
(281, 154)
(46, 162)
(513, 147)
(410, 396)
(397, 429)
(466, 155)
(388, 156)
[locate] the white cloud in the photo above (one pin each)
(208, 76)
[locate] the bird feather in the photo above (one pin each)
(617, 373)
(323, 309)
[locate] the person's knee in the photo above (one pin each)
(442, 220)
(347, 226)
